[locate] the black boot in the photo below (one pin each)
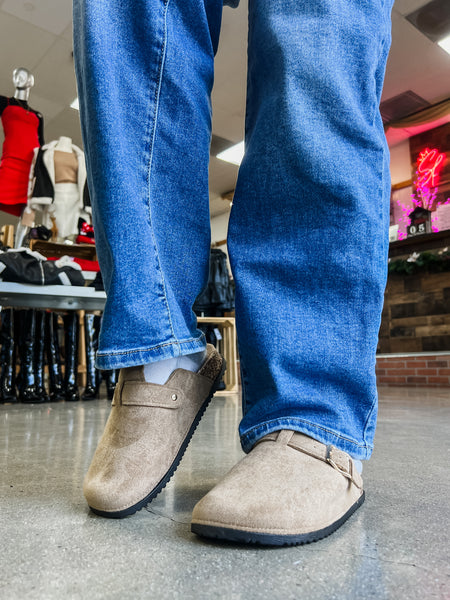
(39, 357)
(91, 344)
(8, 358)
(71, 336)
(110, 378)
(26, 321)
(53, 353)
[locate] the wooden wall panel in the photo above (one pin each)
(416, 313)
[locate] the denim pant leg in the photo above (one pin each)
(308, 234)
(145, 72)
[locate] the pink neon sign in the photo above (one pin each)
(429, 166)
(430, 163)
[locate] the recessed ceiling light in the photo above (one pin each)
(233, 155)
(445, 44)
(75, 104)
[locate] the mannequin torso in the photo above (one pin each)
(23, 129)
(5, 102)
(66, 162)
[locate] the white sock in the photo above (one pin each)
(160, 371)
(359, 466)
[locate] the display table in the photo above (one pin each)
(51, 297)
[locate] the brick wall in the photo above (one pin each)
(420, 370)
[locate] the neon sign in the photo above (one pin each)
(430, 163)
(429, 166)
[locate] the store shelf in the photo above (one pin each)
(419, 243)
(86, 251)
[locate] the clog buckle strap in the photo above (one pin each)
(333, 455)
(337, 459)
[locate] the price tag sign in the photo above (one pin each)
(417, 229)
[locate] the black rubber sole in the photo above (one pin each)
(120, 514)
(268, 539)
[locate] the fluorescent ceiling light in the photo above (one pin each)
(233, 155)
(75, 104)
(445, 44)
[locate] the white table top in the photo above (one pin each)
(62, 297)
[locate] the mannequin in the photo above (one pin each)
(59, 172)
(23, 129)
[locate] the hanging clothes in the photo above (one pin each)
(59, 188)
(21, 138)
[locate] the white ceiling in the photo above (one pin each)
(37, 34)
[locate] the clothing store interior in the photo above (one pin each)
(54, 402)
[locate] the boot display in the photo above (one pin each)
(7, 358)
(71, 337)
(39, 357)
(25, 323)
(52, 350)
(91, 331)
(110, 378)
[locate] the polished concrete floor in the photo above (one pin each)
(396, 546)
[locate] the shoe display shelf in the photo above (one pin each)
(66, 301)
(227, 346)
(74, 298)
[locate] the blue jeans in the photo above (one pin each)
(308, 233)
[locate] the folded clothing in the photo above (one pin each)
(98, 283)
(86, 233)
(25, 266)
(86, 265)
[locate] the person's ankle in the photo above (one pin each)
(160, 371)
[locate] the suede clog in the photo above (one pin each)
(147, 432)
(290, 489)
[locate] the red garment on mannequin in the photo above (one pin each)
(21, 137)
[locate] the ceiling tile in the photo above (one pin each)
(227, 125)
(22, 45)
(218, 206)
(415, 63)
(48, 108)
(51, 15)
(67, 34)
(222, 176)
(55, 74)
(67, 123)
(404, 7)
(230, 77)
